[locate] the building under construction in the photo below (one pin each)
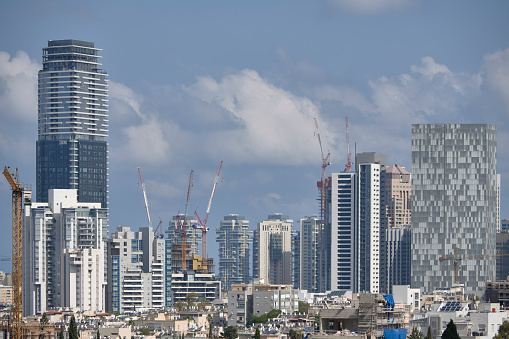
(374, 314)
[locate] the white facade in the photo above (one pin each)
(403, 294)
(272, 259)
(136, 276)
(344, 232)
(49, 230)
(369, 227)
(83, 279)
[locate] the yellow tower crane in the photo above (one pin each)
(17, 252)
(457, 258)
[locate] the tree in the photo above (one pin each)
(179, 305)
(145, 331)
(303, 307)
(73, 329)
(257, 334)
(230, 333)
(429, 336)
(416, 334)
(209, 319)
(274, 313)
(44, 319)
(97, 336)
(61, 334)
(503, 331)
(450, 332)
(294, 334)
(191, 298)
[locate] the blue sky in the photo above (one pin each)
(194, 83)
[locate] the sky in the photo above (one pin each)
(193, 83)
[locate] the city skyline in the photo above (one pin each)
(196, 84)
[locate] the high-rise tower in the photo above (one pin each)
(272, 252)
(72, 151)
(454, 204)
(234, 238)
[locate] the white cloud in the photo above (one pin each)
(370, 6)
(146, 143)
(430, 93)
(126, 95)
(272, 124)
(496, 71)
(18, 86)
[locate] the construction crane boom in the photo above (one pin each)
(348, 153)
(17, 253)
(203, 224)
(145, 196)
(325, 163)
(457, 258)
(184, 223)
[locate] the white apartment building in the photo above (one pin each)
(369, 227)
(272, 257)
(82, 279)
(49, 230)
(136, 271)
(344, 232)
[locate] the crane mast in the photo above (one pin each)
(348, 154)
(203, 224)
(184, 223)
(325, 163)
(456, 259)
(145, 196)
(17, 252)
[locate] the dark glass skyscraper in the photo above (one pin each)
(72, 151)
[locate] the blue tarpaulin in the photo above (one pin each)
(395, 334)
(390, 300)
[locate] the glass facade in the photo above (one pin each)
(234, 238)
(454, 204)
(72, 151)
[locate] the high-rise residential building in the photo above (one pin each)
(369, 197)
(368, 219)
(308, 250)
(345, 233)
(272, 253)
(296, 259)
(72, 151)
(398, 240)
(454, 204)
(234, 238)
(324, 229)
(398, 196)
(136, 271)
(61, 238)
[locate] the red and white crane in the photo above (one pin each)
(203, 224)
(348, 154)
(325, 163)
(145, 196)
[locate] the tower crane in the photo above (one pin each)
(145, 196)
(17, 252)
(325, 163)
(183, 223)
(457, 258)
(203, 224)
(348, 154)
